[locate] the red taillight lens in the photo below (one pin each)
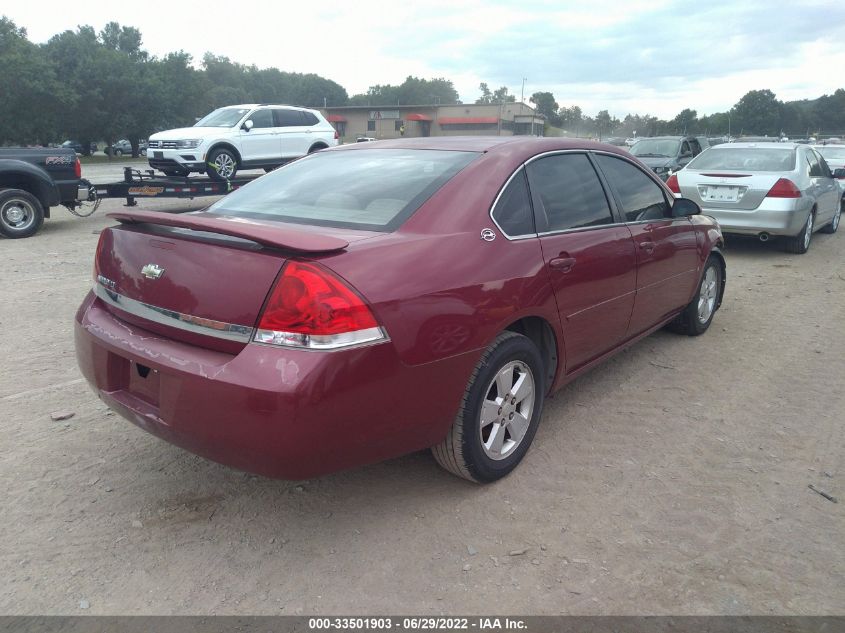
(784, 188)
(336, 135)
(311, 307)
(77, 168)
(672, 183)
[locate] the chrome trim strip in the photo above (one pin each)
(171, 318)
(581, 229)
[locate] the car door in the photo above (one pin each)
(293, 133)
(667, 250)
(261, 143)
(588, 252)
(824, 188)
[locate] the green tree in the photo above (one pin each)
(685, 122)
(547, 106)
(499, 95)
(758, 112)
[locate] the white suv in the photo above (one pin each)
(237, 137)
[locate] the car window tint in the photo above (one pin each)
(568, 192)
(261, 118)
(745, 158)
(367, 189)
(641, 198)
(815, 168)
(513, 210)
(288, 118)
(824, 166)
(310, 119)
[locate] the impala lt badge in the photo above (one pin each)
(152, 271)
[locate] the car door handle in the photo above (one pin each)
(563, 264)
(647, 246)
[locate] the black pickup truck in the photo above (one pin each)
(34, 179)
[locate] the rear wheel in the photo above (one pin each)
(800, 243)
(117, 153)
(834, 223)
(697, 316)
(499, 413)
(222, 164)
(21, 214)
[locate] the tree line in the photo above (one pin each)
(91, 86)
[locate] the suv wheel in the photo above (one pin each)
(221, 164)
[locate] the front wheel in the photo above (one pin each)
(834, 223)
(221, 165)
(117, 153)
(499, 413)
(21, 214)
(697, 316)
(800, 243)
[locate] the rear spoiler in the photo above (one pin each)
(259, 232)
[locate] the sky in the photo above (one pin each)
(656, 57)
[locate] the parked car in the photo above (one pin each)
(77, 147)
(237, 137)
(124, 146)
(381, 298)
(834, 156)
(667, 154)
(764, 189)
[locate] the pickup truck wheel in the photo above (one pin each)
(222, 164)
(21, 214)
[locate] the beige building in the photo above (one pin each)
(381, 122)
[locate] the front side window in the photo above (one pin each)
(568, 192)
(513, 210)
(370, 190)
(261, 118)
(224, 117)
(641, 198)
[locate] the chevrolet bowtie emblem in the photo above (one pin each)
(152, 271)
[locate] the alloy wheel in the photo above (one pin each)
(808, 232)
(506, 410)
(707, 295)
(225, 165)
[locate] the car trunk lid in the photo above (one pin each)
(726, 189)
(198, 278)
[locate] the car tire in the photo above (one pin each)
(833, 225)
(225, 162)
(117, 153)
(267, 170)
(800, 244)
(698, 315)
(470, 448)
(21, 213)
(175, 173)
(142, 152)
(316, 148)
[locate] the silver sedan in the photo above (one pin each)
(764, 189)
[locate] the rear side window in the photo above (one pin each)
(641, 198)
(513, 210)
(288, 118)
(745, 159)
(568, 193)
(366, 189)
(815, 168)
(310, 119)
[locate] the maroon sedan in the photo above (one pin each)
(380, 298)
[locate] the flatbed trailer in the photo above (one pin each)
(145, 183)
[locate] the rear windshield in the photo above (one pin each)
(832, 153)
(224, 117)
(371, 189)
(745, 159)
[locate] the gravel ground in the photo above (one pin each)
(671, 480)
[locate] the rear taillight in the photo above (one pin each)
(310, 307)
(336, 135)
(784, 188)
(672, 183)
(77, 169)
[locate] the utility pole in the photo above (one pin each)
(522, 93)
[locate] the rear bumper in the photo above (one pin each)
(277, 412)
(775, 216)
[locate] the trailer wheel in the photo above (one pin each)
(21, 214)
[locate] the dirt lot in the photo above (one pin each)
(672, 480)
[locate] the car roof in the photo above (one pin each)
(527, 144)
(768, 144)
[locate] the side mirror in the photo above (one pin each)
(684, 207)
(839, 174)
(248, 125)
